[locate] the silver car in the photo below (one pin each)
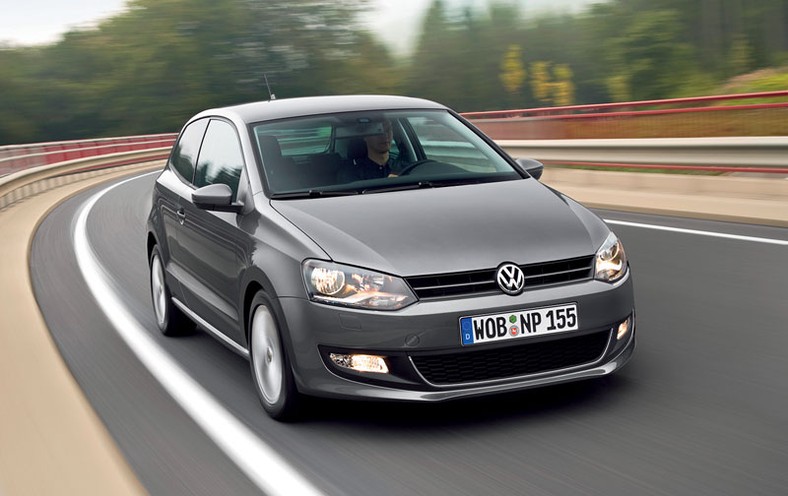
(381, 248)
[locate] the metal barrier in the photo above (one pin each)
(14, 158)
(26, 170)
(22, 184)
(747, 114)
(751, 137)
(752, 154)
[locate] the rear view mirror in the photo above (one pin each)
(215, 197)
(362, 127)
(534, 168)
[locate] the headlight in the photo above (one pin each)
(338, 284)
(611, 261)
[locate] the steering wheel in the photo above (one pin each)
(407, 170)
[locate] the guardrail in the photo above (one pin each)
(737, 199)
(753, 154)
(24, 183)
(15, 158)
(532, 132)
(746, 114)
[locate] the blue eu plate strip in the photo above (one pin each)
(466, 329)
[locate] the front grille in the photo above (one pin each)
(500, 363)
(483, 281)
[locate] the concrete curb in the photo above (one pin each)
(726, 198)
(52, 440)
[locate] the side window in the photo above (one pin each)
(184, 155)
(221, 160)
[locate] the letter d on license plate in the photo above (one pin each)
(519, 324)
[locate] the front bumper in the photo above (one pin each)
(429, 330)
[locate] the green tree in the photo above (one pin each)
(540, 81)
(150, 67)
(648, 61)
(512, 70)
(563, 87)
(431, 72)
(740, 60)
(459, 55)
(552, 87)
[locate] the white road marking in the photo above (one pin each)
(737, 237)
(259, 461)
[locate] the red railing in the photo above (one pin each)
(761, 114)
(748, 114)
(14, 158)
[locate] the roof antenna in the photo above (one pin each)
(270, 95)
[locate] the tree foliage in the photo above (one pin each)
(512, 70)
(150, 67)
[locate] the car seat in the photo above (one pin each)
(279, 170)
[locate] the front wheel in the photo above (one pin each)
(271, 372)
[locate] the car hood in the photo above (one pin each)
(450, 229)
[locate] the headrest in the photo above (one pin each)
(269, 148)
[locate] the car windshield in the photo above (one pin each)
(374, 152)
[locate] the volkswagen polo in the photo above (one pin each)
(382, 248)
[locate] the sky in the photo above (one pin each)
(32, 22)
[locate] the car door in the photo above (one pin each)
(173, 189)
(210, 240)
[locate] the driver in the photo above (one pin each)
(376, 163)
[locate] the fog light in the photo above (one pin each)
(623, 328)
(361, 363)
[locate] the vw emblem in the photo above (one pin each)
(511, 279)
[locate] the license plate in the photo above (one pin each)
(519, 324)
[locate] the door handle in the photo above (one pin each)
(181, 215)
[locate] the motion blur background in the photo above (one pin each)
(150, 64)
(700, 410)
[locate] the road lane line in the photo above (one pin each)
(259, 461)
(714, 234)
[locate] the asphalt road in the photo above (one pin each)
(702, 408)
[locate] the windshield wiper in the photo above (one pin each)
(479, 179)
(313, 193)
(400, 187)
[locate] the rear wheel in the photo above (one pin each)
(271, 372)
(169, 318)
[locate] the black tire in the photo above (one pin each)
(169, 318)
(272, 374)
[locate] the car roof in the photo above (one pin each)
(305, 106)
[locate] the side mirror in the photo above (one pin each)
(533, 167)
(217, 197)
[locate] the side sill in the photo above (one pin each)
(220, 336)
